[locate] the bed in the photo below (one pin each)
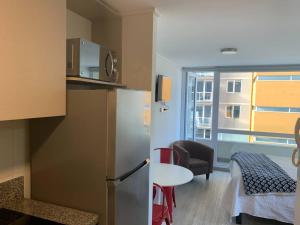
(277, 206)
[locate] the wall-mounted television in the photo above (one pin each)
(163, 88)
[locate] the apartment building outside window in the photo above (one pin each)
(204, 90)
(203, 134)
(234, 101)
(276, 109)
(203, 115)
(256, 109)
(199, 106)
(272, 140)
(278, 77)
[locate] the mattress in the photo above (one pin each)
(277, 206)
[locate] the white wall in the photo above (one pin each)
(14, 152)
(165, 127)
(78, 26)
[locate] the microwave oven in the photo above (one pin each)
(86, 59)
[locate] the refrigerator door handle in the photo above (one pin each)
(123, 177)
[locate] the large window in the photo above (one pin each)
(243, 111)
(199, 105)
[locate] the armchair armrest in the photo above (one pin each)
(184, 156)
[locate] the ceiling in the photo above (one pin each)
(192, 32)
(90, 9)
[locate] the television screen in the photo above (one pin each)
(163, 88)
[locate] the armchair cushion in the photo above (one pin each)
(197, 163)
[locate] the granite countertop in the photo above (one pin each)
(52, 212)
(12, 198)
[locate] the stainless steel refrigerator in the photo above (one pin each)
(95, 158)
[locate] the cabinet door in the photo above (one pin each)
(32, 58)
(138, 57)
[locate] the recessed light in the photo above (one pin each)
(229, 51)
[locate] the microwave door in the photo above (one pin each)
(89, 59)
(82, 58)
(104, 57)
(107, 65)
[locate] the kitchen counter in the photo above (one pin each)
(53, 212)
(12, 198)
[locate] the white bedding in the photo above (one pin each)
(277, 206)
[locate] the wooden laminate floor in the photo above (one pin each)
(200, 203)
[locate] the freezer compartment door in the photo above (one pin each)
(132, 141)
(128, 199)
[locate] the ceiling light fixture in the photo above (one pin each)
(229, 51)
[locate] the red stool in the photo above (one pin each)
(160, 212)
(166, 157)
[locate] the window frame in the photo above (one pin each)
(204, 134)
(226, 111)
(202, 116)
(234, 108)
(234, 81)
(267, 109)
(268, 141)
(230, 81)
(232, 111)
(263, 78)
(204, 92)
(238, 81)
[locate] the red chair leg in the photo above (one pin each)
(169, 201)
(154, 193)
(173, 196)
(167, 222)
(156, 223)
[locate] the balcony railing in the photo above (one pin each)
(204, 96)
(203, 122)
